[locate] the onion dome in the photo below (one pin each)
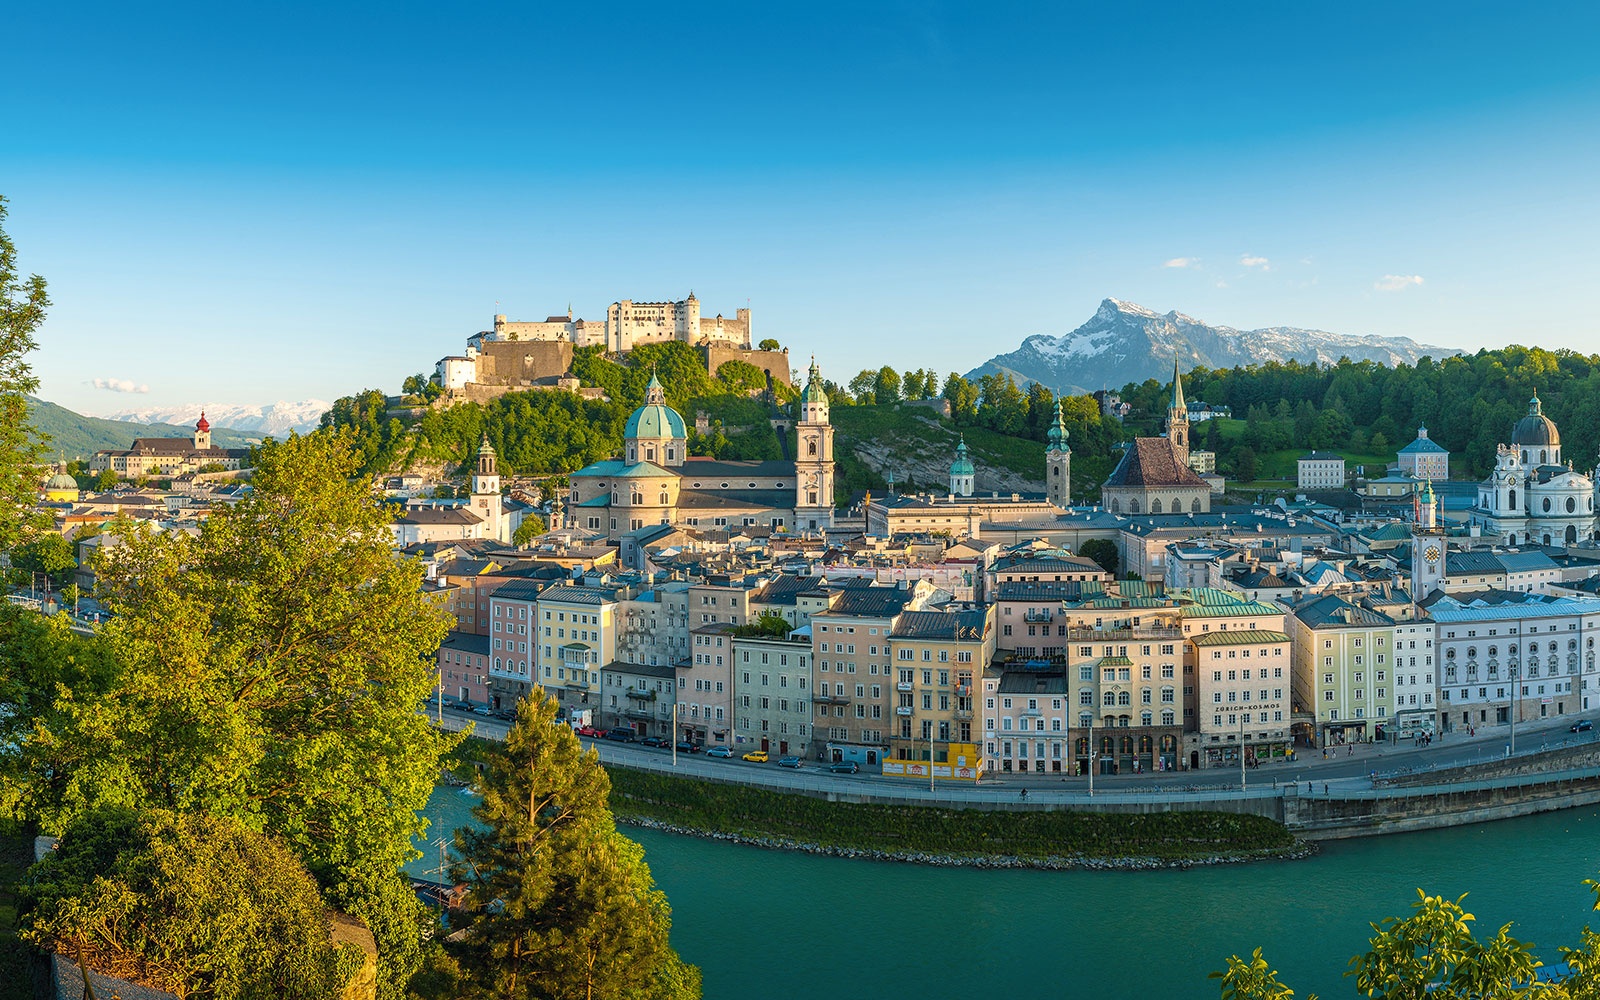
(1535, 429)
(962, 466)
(202, 424)
(1057, 435)
(655, 419)
(814, 393)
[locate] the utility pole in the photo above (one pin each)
(1242, 717)
(1092, 755)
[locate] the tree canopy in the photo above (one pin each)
(564, 905)
(23, 302)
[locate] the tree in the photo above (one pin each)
(566, 907)
(886, 387)
(190, 904)
(962, 397)
(1102, 551)
(769, 345)
(864, 387)
(1245, 464)
(267, 669)
(22, 309)
(48, 554)
(105, 480)
(532, 526)
(1433, 953)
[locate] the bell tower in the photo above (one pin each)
(486, 500)
(813, 461)
(1178, 417)
(1058, 463)
(1428, 548)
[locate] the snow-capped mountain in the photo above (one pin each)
(276, 419)
(1125, 343)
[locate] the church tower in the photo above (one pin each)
(1428, 549)
(1058, 463)
(813, 462)
(962, 473)
(1178, 418)
(202, 433)
(486, 501)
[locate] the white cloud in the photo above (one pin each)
(1183, 262)
(119, 385)
(1251, 261)
(1396, 282)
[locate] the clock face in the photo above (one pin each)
(1432, 554)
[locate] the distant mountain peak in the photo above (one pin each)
(267, 418)
(1126, 342)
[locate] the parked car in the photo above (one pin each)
(844, 767)
(622, 735)
(591, 732)
(1581, 726)
(756, 756)
(508, 714)
(720, 752)
(654, 741)
(685, 746)
(793, 762)
(483, 710)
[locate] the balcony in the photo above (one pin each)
(1032, 713)
(645, 696)
(903, 686)
(903, 710)
(1038, 616)
(639, 713)
(831, 699)
(963, 714)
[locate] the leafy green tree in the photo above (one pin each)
(268, 669)
(22, 309)
(1434, 953)
(191, 904)
(1102, 551)
(864, 387)
(1245, 464)
(566, 907)
(532, 527)
(105, 480)
(48, 554)
(741, 377)
(769, 345)
(962, 397)
(886, 387)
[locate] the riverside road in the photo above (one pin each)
(1345, 768)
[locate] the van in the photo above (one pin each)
(622, 735)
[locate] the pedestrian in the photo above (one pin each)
(1324, 788)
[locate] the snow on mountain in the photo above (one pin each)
(1124, 342)
(274, 419)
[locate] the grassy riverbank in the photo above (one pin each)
(753, 813)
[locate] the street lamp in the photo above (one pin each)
(1091, 755)
(1242, 717)
(1515, 686)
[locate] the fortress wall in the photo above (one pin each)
(777, 362)
(512, 363)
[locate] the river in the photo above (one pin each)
(790, 926)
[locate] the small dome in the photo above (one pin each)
(962, 466)
(202, 424)
(1535, 429)
(814, 392)
(61, 481)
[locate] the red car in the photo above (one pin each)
(591, 731)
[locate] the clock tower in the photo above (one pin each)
(813, 463)
(1428, 549)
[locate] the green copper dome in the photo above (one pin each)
(814, 392)
(1057, 435)
(962, 466)
(655, 419)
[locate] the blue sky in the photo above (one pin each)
(244, 206)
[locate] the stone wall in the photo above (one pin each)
(515, 363)
(776, 362)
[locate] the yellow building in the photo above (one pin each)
(936, 655)
(953, 762)
(61, 488)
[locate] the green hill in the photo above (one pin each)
(77, 436)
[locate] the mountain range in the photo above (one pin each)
(74, 435)
(1124, 343)
(275, 419)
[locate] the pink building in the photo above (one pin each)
(464, 667)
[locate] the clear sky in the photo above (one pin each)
(249, 204)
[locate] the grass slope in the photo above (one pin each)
(918, 442)
(1283, 465)
(77, 436)
(752, 812)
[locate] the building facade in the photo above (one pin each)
(1531, 498)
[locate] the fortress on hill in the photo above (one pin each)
(538, 354)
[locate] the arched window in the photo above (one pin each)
(1155, 506)
(1572, 504)
(1124, 698)
(637, 498)
(1513, 503)
(1572, 532)
(1133, 505)
(1547, 503)
(1110, 698)
(1542, 454)
(811, 447)
(1194, 505)
(1116, 506)
(1494, 651)
(664, 498)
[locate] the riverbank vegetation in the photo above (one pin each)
(753, 813)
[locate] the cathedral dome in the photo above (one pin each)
(61, 481)
(655, 419)
(1535, 429)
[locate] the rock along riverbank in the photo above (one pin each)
(1295, 852)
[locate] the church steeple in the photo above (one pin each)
(1178, 417)
(1058, 462)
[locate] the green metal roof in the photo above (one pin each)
(1240, 637)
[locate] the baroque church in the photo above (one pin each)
(1154, 475)
(1531, 498)
(657, 481)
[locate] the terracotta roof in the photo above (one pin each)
(1152, 462)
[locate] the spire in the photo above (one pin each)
(1057, 434)
(1177, 386)
(654, 395)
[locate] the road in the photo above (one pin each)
(1349, 767)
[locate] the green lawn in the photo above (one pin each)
(1281, 465)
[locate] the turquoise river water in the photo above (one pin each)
(789, 926)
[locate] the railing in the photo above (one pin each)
(1099, 634)
(1037, 616)
(832, 699)
(1033, 713)
(641, 695)
(964, 714)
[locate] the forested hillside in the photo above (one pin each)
(1468, 403)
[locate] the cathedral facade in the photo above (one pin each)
(656, 481)
(1531, 498)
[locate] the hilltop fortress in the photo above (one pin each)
(529, 355)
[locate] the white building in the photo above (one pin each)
(1424, 458)
(1531, 498)
(1321, 470)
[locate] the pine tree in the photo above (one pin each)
(566, 907)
